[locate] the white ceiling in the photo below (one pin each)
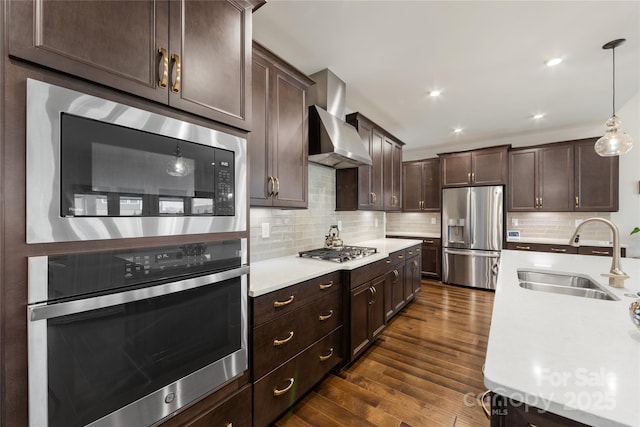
(487, 57)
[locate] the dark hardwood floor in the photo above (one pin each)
(425, 370)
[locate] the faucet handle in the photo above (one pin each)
(616, 280)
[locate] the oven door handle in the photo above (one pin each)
(51, 311)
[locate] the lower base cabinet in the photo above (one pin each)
(367, 314)
(510, 413)
(297, 339)
(235, 410)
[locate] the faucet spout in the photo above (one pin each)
(616, 275)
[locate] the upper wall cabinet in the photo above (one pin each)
(562, 177)
(143, 48)
(376, 187)
(278, 144)
(421, 186)
(487, 166)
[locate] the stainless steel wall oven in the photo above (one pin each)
(127, 337)
(97, 169)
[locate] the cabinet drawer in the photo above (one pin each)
(235, 410)
(431, 242)
(369, 272)
(412, 251)
(277, 303)
(279, 390)
(600, 251)
(539, 247)
(397, 256)
(280, 339)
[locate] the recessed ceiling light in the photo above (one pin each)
(553, 62)
(537, 116)
(435, 93)
(457, 130)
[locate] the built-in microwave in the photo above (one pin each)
(97, 169)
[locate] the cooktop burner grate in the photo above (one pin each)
(339, 254)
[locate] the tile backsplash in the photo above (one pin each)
(413, 222)
(557, 225)
(295, 230)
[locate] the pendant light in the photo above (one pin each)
(178, 166)
(614, 142)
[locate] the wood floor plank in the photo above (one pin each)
(424, 370)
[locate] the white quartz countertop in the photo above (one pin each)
(574, 356)
(274, 274)
(413, 234)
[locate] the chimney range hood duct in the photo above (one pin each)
(332, 142)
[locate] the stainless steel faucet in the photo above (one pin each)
(616, 275)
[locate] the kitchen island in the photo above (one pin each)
(572, 356)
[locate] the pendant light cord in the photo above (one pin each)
(614, 82)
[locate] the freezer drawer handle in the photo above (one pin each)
(494, 269)
(526, 248)
(480, 254)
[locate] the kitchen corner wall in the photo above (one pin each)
(295, 230)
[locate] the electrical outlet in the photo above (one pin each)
(266, 230)
(433, 220)
(375, 222)
(339, 225)
(514, 222)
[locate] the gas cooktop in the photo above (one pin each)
(339, 254)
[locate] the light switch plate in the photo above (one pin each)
(266, 230)
(514, 222)
(433, 220)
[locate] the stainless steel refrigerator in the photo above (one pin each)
(472, 224)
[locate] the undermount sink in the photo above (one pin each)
(564, 284)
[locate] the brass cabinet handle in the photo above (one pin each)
(270, 186)
(558, 250)
(277, 343)
(375, 198)
(469, 177)
(373, 295)
(418, 250)
(228, 425)
(415, 265)
(176, 85)
(526, 248)
(324, 286)
(324, 317)
(537, 203)
(165, 67)
(283, 303)
(540, 203)
(577, 201)
(430, 242)
(600, 252)
(328, 356)
(487, 413)
(395, 273)
(400, 256)
(388, 261)
(410, 252)
(277, 392)
(277, 187)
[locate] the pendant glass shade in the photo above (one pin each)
(614, 142)
(178, 165)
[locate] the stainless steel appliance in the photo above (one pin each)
(472, 230)
(338, 254)
(97, 169)
(127, 337)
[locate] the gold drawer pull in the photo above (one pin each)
(600, 252)
(429, 242)
(277, 343)
(165, 67)
(558, 250)
(228, 425)
(400, 256)
(277, 392)
(283, 303)
(324, 286)
(410, 252)
(388, 261)
(526, 248)
(328, 356)
(324, 317)
(176, 85)
(277, 187)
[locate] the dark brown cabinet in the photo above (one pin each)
(394, 289)
(392, 174)
(278, 143)
(296, 341)
(506, 412)
(486, 166)
(201, 67)
(235, 410)
(564, 249)
(376, 187)
(421, 185)
(413, 270)
(595, 179)
(431, 258)
(562, 177)
(367, 314)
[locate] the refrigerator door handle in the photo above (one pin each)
(472, 217)
(472, 253)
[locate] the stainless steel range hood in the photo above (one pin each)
(332, 142)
